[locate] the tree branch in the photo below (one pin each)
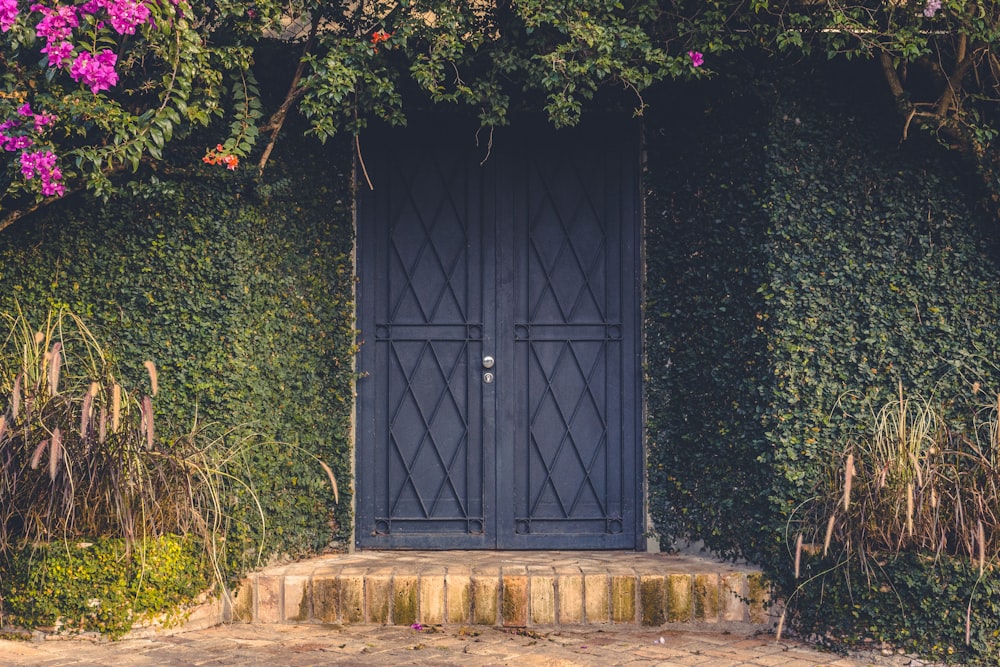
(18, 213)
(891, 76)
(277, 120)
(949, 97)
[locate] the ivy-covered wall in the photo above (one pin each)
(802, 260)
(241, 291)
(799, 258)
(705, 355)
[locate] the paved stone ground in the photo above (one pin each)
(308, 645)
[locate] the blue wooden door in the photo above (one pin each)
(498, 303)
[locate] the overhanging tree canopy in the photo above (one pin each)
(94, 89)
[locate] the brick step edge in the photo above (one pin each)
(511, 600)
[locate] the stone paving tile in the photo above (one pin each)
(449, 646)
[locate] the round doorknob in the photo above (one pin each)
(488, 362)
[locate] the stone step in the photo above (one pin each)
(513, 589)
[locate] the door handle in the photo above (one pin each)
(488, 362)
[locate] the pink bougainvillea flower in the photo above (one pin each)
(931, 8)
(95, 70)
(34, 163)
(11, 144)
(59, 53)
(57, 23)
(125, 15)
(8, 14)
(52, 185)
(43, 165)
(697, 59)
(417, 626)
(43, 119)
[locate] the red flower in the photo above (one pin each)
(379, 36)
(219, 156)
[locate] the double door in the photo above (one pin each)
(499, 403)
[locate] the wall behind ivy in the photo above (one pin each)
(240, 289)
(799, 257)
(704, 357)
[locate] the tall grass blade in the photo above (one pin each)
(829, 533)
(116, 407)
(996, 429)
(909, 509)
(36, 458)
(55, 363)
(3, 426)
(982, 548)
(902, 418)
(798, 555)
(15, 399)
(102, 426)
(916, 469)
(55, 454)
(87, 409)
(151, 369)
(968, 624)
(849, 472)
(333, 481)
(147, 420)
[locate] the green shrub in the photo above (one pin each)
(908, 601)
(106, 586)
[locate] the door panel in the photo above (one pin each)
(571, 448)
(529, 258)
(422, 476)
